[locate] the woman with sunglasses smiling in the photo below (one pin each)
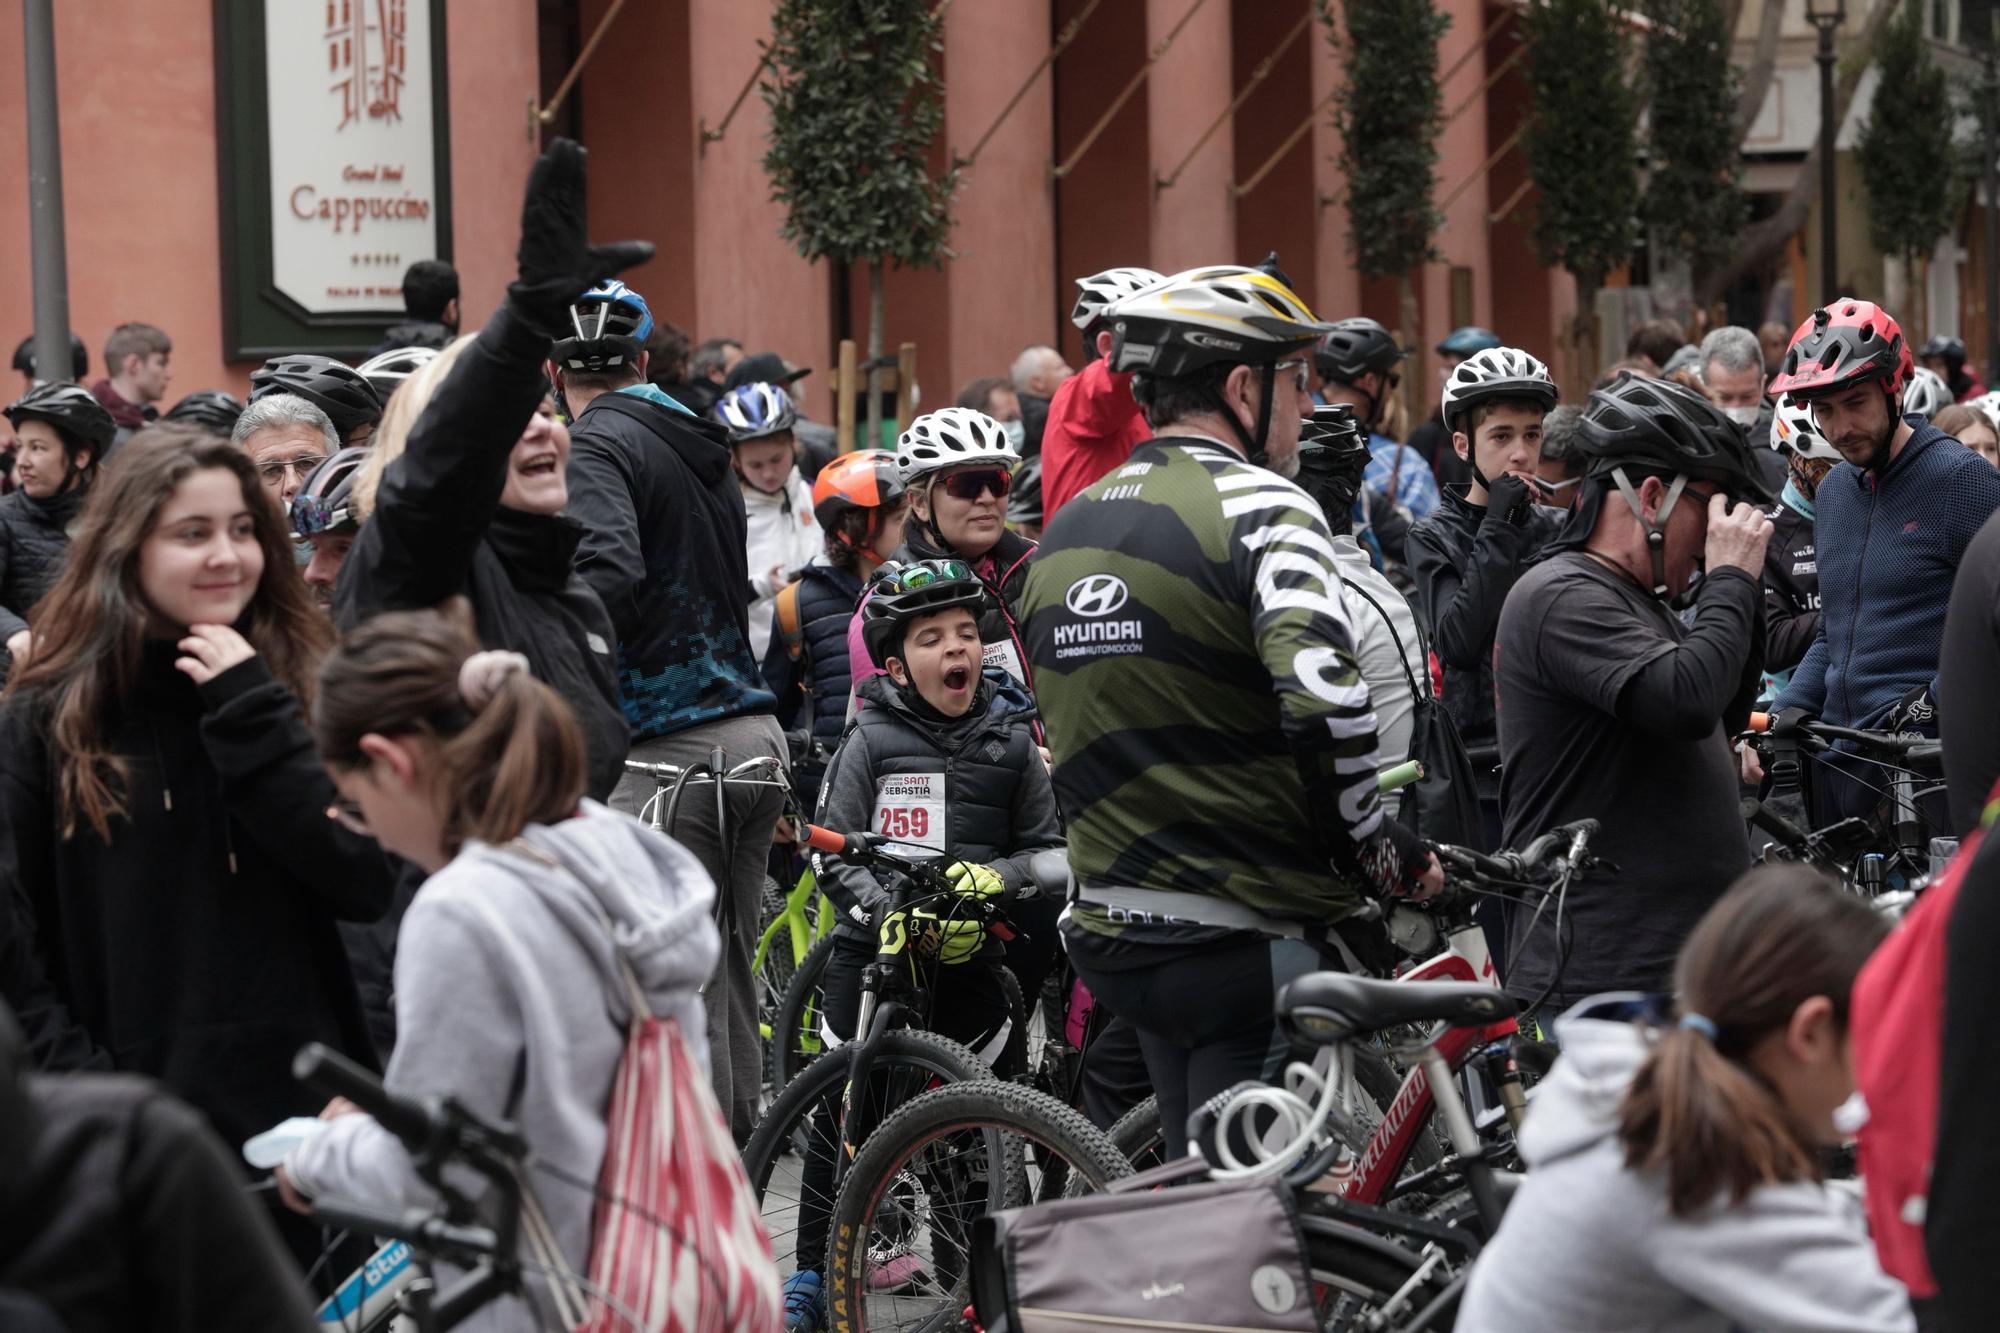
(161, 803)
(957, 466)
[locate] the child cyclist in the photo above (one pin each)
(944, 764)
(782, 534)
(1675, 1170)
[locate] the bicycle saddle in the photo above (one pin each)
(1325, 1007)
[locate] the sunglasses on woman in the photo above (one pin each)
(972, 485)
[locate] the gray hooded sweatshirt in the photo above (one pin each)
(1589, 1246)
(508, 997)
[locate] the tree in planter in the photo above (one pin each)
(1390, 113)
(1909, 163)
(1694, 201)
(855, 104)
(1582, 150)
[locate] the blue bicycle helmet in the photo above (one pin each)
(1468, 340)
(754, 411)
(609, 325)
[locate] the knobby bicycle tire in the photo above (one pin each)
(906, 1064)
(1356, 1274)
(795, 1035)
(1019, 1130)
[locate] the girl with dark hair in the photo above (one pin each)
(1675, 1171)
(508, 990)
(161, 807)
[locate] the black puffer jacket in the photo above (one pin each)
(34, 539)
(1465, 563)
(1791, 588)
(438, 531)
(197, 945)
(812, 675)
(981, 771)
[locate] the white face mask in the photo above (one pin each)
(1742, 416)
(1016, 432)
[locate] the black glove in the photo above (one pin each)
(1508, 500)
(556, 259)
(1915, 711)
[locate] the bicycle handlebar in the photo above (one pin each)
(328, 1071)
(1572, 840)
(1884, 742)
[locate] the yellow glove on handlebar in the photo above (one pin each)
(971, 880)
(934, 933)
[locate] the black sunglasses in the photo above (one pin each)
(971, 485)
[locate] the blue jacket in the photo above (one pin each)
(1889, 547)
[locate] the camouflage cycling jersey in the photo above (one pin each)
(1196, 671)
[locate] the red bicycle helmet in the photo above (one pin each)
(1846, 343)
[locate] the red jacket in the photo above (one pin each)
(1094, 424)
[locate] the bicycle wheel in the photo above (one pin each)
(1356, 1276)
(1138, 1137)
(789, 1157)
(795, 1037)
(900, 1256)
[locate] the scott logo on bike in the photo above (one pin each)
(1096, 595)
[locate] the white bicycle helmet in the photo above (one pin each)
(1101, 290)
(1220, 315)
(387, 371)
(948, 437)
(1926, 394)
(1793, 431)
(1497, 372)
(1988, 406)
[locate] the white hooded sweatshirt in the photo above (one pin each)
(783, 534)
(508, 998)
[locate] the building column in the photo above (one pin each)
(1338, 282)
(1194, 222)
(1002, 289)
(744, 280)
(1462, 240)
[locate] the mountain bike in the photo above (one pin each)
(807, 1137)
(1891, 848)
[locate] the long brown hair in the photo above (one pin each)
(1698, 1109)
(515, 761)
(90, 631)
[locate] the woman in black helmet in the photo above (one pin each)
(63, 431)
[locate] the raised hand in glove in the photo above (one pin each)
(1509, 499)
(971, 880)
(556, 259)
(935, 932)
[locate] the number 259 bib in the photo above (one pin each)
(909, 808)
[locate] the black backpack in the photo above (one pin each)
(1444, 804)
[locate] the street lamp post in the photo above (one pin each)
(1826, 15)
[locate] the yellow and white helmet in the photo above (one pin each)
(1223, 314)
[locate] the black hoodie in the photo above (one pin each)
(34, 540)
(665, 547)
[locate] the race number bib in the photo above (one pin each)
(909, 808)
(1005, 656)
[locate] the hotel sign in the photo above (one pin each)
(335, 166)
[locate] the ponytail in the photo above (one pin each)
(1698, 1110)
(508, 753)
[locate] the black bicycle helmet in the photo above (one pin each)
(1356, 347)
(79, 358)
(1638, 426)
(78, 417)
(1944, 348)
(211, 409)
(334, 387)
(1333, 455)
(325, 503)
(904, 592)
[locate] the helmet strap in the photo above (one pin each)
(1253, 444)
(1656, 531)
